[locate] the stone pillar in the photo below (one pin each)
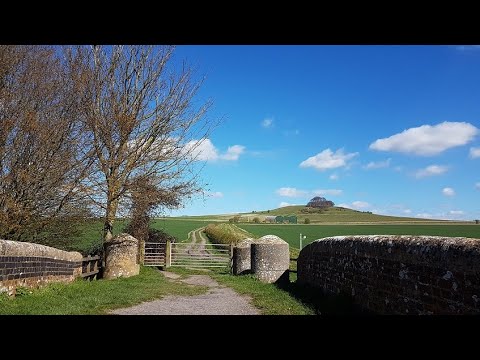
(270, 258)
(241, 257)
(121, 255)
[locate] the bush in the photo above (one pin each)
(155, 235)
(307, 221)
(226, 234)
(256, 220)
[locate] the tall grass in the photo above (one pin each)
(226, 233)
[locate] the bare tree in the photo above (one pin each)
(40, 167)
(142, 123)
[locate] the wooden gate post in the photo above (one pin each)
(168, 254)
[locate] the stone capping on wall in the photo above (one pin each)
(457, 252)
(18, 248)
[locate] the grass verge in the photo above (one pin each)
(268, 298)
(95, 297)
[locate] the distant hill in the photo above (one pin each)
(334, 214)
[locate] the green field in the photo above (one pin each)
(90, 236)
(333, 215)
(178, 228)
(291, 233)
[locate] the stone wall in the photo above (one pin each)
(32, 265)
(391, 274)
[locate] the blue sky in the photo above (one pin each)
(389, 129)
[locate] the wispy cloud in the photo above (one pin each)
(356, 205)
(333, 177)
(378, 164)
(294, 192)
(283, 204)
(267, 123)
(215, 194)
(424, 215)
(233, 153)
(204, 150)
(332, 192)
(327, 159)
(475, 152)
(428, 140)
(477, 185)
(407, 211)
(448, 191)
(291, 192)
(431, 170)
(456, 212)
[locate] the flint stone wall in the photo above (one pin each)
(391, 274)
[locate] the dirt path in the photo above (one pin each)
(197, 247)
(219, 300)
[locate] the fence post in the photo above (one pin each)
(168, 254)
(231, 257)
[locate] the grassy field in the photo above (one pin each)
(291, 233)
(334, 215)
(94, 297)
(90, 235)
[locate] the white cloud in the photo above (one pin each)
(448, 191)
(456, 212)
(407, 211)
(328, 160)
(204, 150)
(333, 177)
(360, 204)
(216, 194)
(283, 204)
(475, 152)
(398, 168)
(332, 192)
(356, 205)
(428, 140)
(424, 215)
(233, 153)
(431, 171)
(291, 192)
(267, 123)
(378, 164)
(477, 185)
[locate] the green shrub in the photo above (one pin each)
(256, 220)
(307, 221)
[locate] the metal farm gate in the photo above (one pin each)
(201, 255)
(155, 254)
(195, 255)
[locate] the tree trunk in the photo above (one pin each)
(109, 220)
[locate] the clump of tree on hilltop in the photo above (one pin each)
(317, 204)
(320, 202)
